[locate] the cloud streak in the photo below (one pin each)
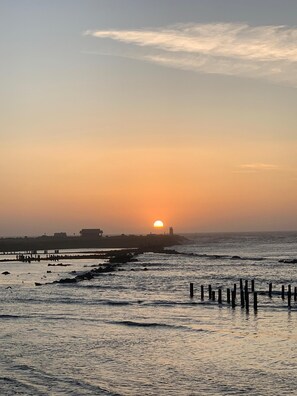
(267, 52)
(260, 167)
(256, 168)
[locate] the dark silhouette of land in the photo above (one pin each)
(29, 244)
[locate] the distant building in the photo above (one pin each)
(91, 233)
(60, 235)
(170, 231)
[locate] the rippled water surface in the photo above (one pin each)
(136, 331)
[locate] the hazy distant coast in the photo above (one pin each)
(120, 241)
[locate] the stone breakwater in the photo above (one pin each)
(115, 260)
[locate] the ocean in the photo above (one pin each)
(136, 331)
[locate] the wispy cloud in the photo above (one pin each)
(256, 167)
(259, 166)
(268, 52)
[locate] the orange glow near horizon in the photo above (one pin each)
(215, 193)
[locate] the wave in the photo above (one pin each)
(102, 287)
(27, 380)
(211, 256)
(12, 386)
(14, 317)
(131, 323)
(140, 324)
(224, 256)
(288, 261)
(116, 302)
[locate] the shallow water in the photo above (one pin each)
(136, 331)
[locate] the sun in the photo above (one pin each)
(158, 224)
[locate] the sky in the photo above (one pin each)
(116, 113)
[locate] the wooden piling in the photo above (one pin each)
(247, 302)
(220, 296)
(202, 292)
(233, 296)
(244, 294)
(255, 301)
(242, 298)
(289, 296)
(228, 295)
(289, 300)
(240, 284)
(283, 292)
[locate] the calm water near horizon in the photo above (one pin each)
(136, 331)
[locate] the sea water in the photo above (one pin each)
(136, 331)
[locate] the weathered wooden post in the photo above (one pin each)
(234, 289)
(270, 290)
(233, 297)
(209, 292)
(255, 301)
(220, 296)
(240, 284)
(191, 290)
(246, 284)
(202, 292)
(213, 295)
(289, 296)
(295, 293)
(283, 292)
(247, 302)
(242, 298)
(228, 296)
(253, 285)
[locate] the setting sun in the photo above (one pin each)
(158, 224)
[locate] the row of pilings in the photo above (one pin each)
(246, 293)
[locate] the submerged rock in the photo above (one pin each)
(58, 265)
(122, 258)
(68, 280)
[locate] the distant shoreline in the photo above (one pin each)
(29, 244)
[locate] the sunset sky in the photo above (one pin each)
(116, 113)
